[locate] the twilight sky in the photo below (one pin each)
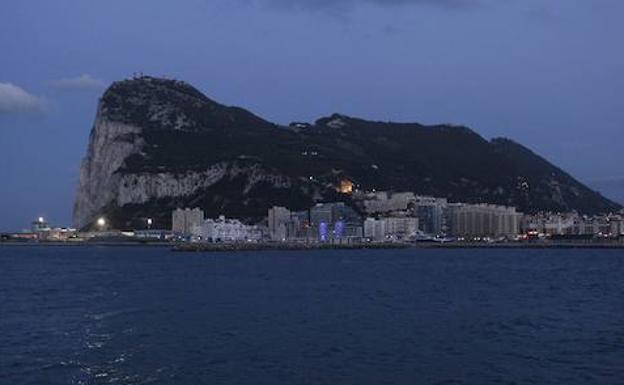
(547, 73)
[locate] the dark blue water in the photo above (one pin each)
(149, 316)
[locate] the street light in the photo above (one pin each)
(101, 222)
(150, 221)
(41, 220)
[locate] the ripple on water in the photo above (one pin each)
(368, 317)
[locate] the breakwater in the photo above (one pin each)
(207, 247)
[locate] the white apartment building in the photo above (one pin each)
(228, 230)
(550, 223)
(391, 228)
(375, 229)
(401, 228)
(617, 226)
(483, 220)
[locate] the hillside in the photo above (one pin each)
(158, 144)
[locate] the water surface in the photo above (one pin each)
(89, 315)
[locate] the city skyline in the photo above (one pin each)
(311, 192)
(527, 72)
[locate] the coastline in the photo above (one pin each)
(238, 247)
(197, 247)
(85, 244)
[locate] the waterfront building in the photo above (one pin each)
(335, 222)
(298, 227)
(324, 222)
(431, 212)
(40, 226)
(584, 226)
(550, 223)
(153, 234)
(42, 231)
(602, 224)
(616, 228)
(322, 213)
(57, 234)
(187, 222)
(596, 225)
(331, 213)
(616, 223)
(401, 228)
(24, 236)
(229, 230)
(483, 220)
(390, 228)
(375, 230)
(279, 218)
(351, 232)
(285, 225)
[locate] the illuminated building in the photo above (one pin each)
(323, 235)
(40, 225)
(324, 222)
(346, 187)
(550, 223)
(285, 225)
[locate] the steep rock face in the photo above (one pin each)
(141, 188)
(158, 144)
(110, 144)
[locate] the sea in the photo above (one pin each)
(148, 315)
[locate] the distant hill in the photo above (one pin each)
(158, 144)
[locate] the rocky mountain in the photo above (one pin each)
(158, 144)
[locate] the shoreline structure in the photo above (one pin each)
(236, 247)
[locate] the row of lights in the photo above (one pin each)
(101, 222)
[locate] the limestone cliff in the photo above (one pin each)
(110, 144)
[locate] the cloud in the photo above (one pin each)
(347, 4)
(16, 99)
(82, 82)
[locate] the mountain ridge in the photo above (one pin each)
(157, 144)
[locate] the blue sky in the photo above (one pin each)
(547, 73)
